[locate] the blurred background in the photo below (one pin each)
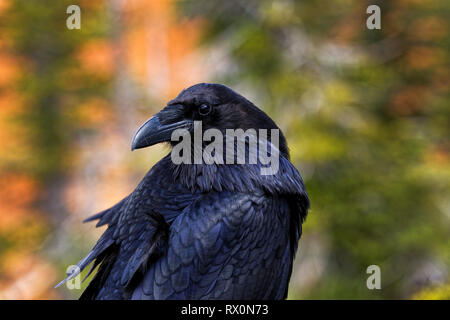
(366, 114)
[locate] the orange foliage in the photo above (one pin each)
(428, 29)
(96, 57)
(18, 193)
(409, 100)
(27, 277)
(9, 69)
(422, 57)
(11, 104)
(346, 31)
(94, 112)
(440, 156)
(4, 5)
(159, 46)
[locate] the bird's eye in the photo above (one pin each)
(204, 109)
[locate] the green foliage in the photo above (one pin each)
(52, 84)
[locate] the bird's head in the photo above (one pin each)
(215, 105)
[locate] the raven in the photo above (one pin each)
(201, 231)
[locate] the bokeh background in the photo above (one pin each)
(366, 114)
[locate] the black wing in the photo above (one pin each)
(224, 246)
(137, 229)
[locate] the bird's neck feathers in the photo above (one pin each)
(238, 177)
(246, 178)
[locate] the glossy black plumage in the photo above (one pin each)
(202, 231)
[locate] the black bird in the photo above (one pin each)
(201, 231)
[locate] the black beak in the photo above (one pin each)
(153, 132)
